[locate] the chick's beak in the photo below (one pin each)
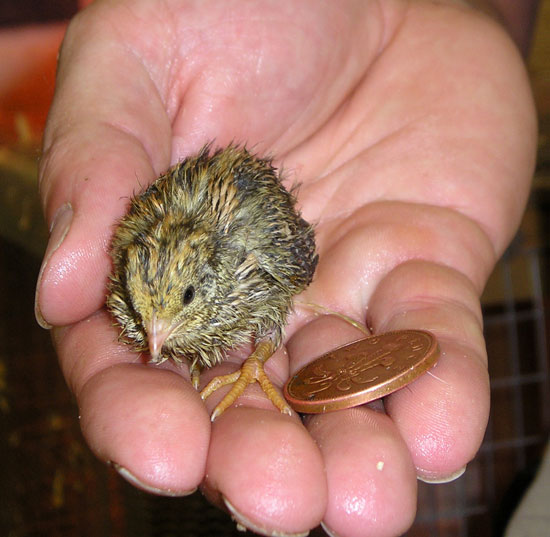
(158, 331)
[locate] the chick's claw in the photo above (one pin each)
(195, 374)
(251, 371)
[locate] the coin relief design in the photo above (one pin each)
(357, 364)
(362, 371)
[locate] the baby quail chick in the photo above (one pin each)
(208, 258)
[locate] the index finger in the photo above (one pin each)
(146, 420)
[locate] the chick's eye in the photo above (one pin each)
(188, 295)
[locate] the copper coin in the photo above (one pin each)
(361, 371)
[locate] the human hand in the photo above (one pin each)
(411, 129)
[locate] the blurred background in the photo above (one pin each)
(50, 483)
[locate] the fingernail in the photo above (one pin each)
(58, 231)
(244, 524)
(440, 480)
(131, 478)
(328, 531)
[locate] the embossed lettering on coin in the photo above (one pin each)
(362, 371)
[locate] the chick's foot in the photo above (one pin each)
(251, 371)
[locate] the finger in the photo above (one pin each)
(370, 476)
(148, 421)
(371, 479)
(376, 237)
(441, 416)
(268, 470)
(263, 465)
(107, 136)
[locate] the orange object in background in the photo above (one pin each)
(27, 74)
(27, 81)
(28, 51)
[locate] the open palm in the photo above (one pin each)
(410, 128)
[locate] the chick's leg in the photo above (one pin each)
(251, 371)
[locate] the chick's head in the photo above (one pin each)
(172, 287)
